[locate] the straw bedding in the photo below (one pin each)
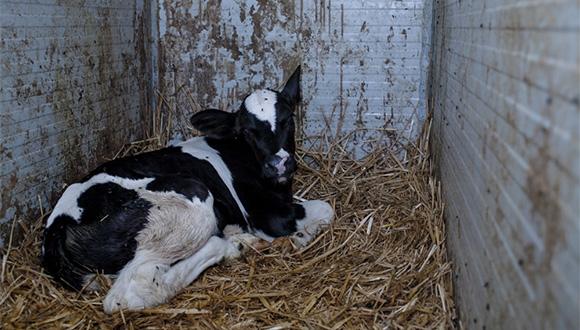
(381, 264)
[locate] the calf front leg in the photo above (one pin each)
(301, 222)
(186, 271)
(317, 214)
(232, 246)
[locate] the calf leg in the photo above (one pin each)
(317, 214)
(139, 284)
(186, 271)
(301, 224)
(176, 228)
(233, 244)
(148, 282)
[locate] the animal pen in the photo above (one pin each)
(444, 133)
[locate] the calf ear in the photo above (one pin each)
(214, 123)
(292, 89)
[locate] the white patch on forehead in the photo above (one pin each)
(68, 202)
(198, 148)
(261, 104)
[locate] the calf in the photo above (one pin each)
(158, 219)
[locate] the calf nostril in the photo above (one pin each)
(271, 166)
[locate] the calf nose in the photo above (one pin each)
(277, 164)
(275, 160)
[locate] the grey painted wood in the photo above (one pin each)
(505, 90)
(362, 60)
(72, 91)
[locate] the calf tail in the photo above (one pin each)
(55, 257)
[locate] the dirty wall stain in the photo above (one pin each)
(215, 52)
(77, 100)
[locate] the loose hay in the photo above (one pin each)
(382, 263)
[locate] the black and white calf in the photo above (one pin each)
(158, 219)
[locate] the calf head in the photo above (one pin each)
(265, 122)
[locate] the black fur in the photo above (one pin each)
(103, 242)
(171, 163)
(215, 123)
(188, 187)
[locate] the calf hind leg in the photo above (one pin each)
(155, 283)
(138, 284)
(176, 228)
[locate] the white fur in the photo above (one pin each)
(216, 249)
(138, 284)
(177, 228)
(198, 148)
(186, 271)
(261, 104)
(318, 215)
(68, 205)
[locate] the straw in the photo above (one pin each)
(383, 262)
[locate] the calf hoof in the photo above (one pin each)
(319, 214)
(246, 242)
(131, 302)
(116, 301)
(243, 240)
(261, 245)
(142, 289)
(318, 211)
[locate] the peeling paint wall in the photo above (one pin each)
(506, 93)
(362, 60)
(70, 94)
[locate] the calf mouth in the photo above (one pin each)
(284, 178)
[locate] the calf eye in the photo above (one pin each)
(248, 132)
